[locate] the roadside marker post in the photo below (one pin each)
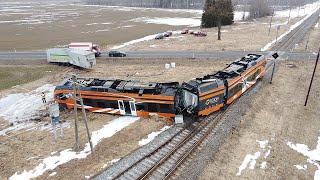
(275, 56)
(312, 78)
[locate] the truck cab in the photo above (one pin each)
(86, 46)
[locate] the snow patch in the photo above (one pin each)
(151, 136)
(304, 167)
(312, 155)
(22, 107)
(67, 155)
(263, 165)
(52, 174)
(317, 25)
(191, 22)
(110, 163)
(238, 16)
(263, 144)
(102, 30)
(147, 38)
(248, 160)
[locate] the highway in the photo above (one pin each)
(40, 55)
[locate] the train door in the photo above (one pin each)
(127, 108)
(133, 108)
(121, 107)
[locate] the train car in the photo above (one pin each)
(208, 94)
(120, 97)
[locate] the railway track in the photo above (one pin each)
(162, 162)
(297, 34)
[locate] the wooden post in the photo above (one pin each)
(76, 132)
(314, 72)
(84, 115)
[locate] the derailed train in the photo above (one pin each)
(193, 99)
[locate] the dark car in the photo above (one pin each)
(200, 34)
(117, 54)
(185, 31)
(159, 36)
(167, 34)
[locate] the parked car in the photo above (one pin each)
(191, 32)
(117, 54)
(200, 34)
(185, 31)
(167, 34)
(159, 36)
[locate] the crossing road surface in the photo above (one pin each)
(39, 55)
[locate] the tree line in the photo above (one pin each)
(173, 4)
(194, 4)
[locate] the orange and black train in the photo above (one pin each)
(192, 99)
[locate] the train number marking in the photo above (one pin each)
(212, 101)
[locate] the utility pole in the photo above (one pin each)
(289, 12)
(245, 3)
(313, 74)
(84, 116)
(77, 97)
(75, 109)
(278, 28)
(271, 21)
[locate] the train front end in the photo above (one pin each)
(186, 103)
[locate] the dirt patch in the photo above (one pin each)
(277, 114)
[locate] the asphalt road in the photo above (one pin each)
(39, 55)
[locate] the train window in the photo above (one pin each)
(113, 105)
(235, 90)
(102, 104)
(166, 108)
(140, 107)
(152, 107)
(190, 99)
(208, 87)
(89, 102)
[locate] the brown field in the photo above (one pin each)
(41, 24)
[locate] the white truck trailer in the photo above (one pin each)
(66, 56)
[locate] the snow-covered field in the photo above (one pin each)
(299, 11)
(311, 8)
